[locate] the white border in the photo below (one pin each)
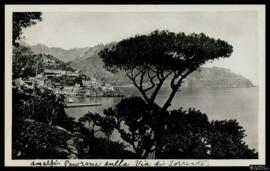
(135, 8)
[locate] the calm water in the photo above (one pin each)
(218, 103)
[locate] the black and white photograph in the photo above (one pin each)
(135, 85)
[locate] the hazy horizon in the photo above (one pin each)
(70, 30)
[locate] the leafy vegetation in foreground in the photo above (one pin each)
(37, 140)
(42, 130)
(177, 134)
(155, 133)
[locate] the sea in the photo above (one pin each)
(218, 103)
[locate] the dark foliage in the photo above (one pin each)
(134, 120)
(37, 140)
(155, 133)
(226, 139)
(41, 105)
(94, 147)
(185, 135)
(162, 55)
(22, 20)
(25, 63)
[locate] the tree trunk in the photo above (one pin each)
(174, 89)
(154, 94)
(168, 102)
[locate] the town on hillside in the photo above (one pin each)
(68, 83)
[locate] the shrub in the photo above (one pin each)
(37, 140)
(180, 134)
(41, 105)
(226, 139)
(100, 147)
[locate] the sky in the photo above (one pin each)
(85, 29)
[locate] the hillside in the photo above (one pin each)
(92, 64)
(216, 77)
(88, 61)
(53, 63)
(62, 54)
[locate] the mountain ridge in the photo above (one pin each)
(88, 61)
(60, 53)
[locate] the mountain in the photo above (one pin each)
(62, 54)
(92, 65)
(88, 61)
(216, 77)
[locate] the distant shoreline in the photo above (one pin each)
(130, 85)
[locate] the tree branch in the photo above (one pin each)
(175, 76)
(151, 80)
(176, 86)
(168, 74)
(154, 94)
(139, 88)
(141, 79)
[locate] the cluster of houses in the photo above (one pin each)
(87, 86)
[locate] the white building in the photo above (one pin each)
(70, 90)
(48, 72)
(108, 87)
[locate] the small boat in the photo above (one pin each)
(70, 101)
